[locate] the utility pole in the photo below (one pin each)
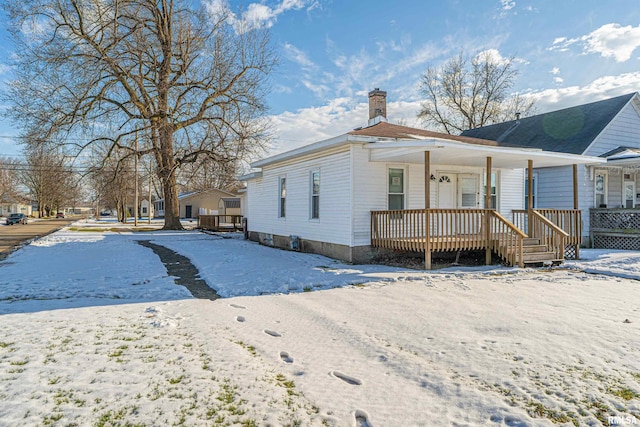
(135, 208)
(150, 183)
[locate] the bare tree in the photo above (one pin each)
(94, 72)
(468, 93)
(114, 183)
(8, 176)
(206, 174)
(48, 177)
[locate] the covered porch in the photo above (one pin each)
(526, 236)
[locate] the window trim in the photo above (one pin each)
(605, 192)
(282, 198)
(535, 190)
(495, 173)
(404, 185)
(312, 195)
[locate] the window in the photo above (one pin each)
(534, 182)
(315, 195)
(494, 190)
(283, 197)
(600, 189)
(396, 189)
(629, 194)
(144, 209)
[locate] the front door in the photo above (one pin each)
(188, 210)
(447, 190)
(629, 194)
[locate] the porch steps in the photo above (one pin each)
(535, 253)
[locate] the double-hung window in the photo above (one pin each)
(282, 191)
(396, 189)
(534, 182)
(493, 196)
(315, 195)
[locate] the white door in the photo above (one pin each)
(629, 194)
(447, 190)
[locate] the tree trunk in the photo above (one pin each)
(171, 204)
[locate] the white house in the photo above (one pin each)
(609, 129)
(195, 203)
(364, 191)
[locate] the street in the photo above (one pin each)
(13, 235)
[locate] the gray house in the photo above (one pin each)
(609, 192)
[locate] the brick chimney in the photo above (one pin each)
(377, 106)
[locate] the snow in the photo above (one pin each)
(95, 332)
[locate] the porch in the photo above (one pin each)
(534, 237)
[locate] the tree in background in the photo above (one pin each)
(8, 176)
(466, 93)
(49, 178)
(114, 184)
(191, 81)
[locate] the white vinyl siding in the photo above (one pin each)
(622, 131)
(334, 209)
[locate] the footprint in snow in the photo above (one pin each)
(285, 357)
(362, 420)
(272, 333)
(346, 378)
(240, 319)
(238, 306)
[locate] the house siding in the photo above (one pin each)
(334, 224)
(622, 131)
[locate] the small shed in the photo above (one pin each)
(229, 206)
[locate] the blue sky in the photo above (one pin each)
(334, 51)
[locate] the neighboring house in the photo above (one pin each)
(351, 196)
(195, 203)
(14, 204)
(608, 129)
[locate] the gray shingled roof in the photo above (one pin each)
(570, 130)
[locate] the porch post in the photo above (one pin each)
(427, 206)
(529, 196)
(487, 217)
(575, 208)
(575, 187)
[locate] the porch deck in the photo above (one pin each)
(220, 222)
(474, 229)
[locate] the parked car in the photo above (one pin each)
(60, 215)
(16, 218)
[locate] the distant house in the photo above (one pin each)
(386, 187)
(14, 204)
(195, 203)
(609, 129)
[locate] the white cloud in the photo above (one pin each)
(298, 56)
(555, 71)
(558, 80)
(506, 5)
(610, 41)
(601, 88)
(338, 116)
(256, 15)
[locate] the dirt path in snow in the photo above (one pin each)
(186, 273)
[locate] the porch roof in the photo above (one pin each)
(447, 152)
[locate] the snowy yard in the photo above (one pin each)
(94, 332)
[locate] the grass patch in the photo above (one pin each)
(624, 393)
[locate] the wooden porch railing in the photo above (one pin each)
(449, 230)
(568, 220)
(507, 240)
(220, 222)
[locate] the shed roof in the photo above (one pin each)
(230, 202)
(570, 130)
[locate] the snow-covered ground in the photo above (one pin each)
(94, 332)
